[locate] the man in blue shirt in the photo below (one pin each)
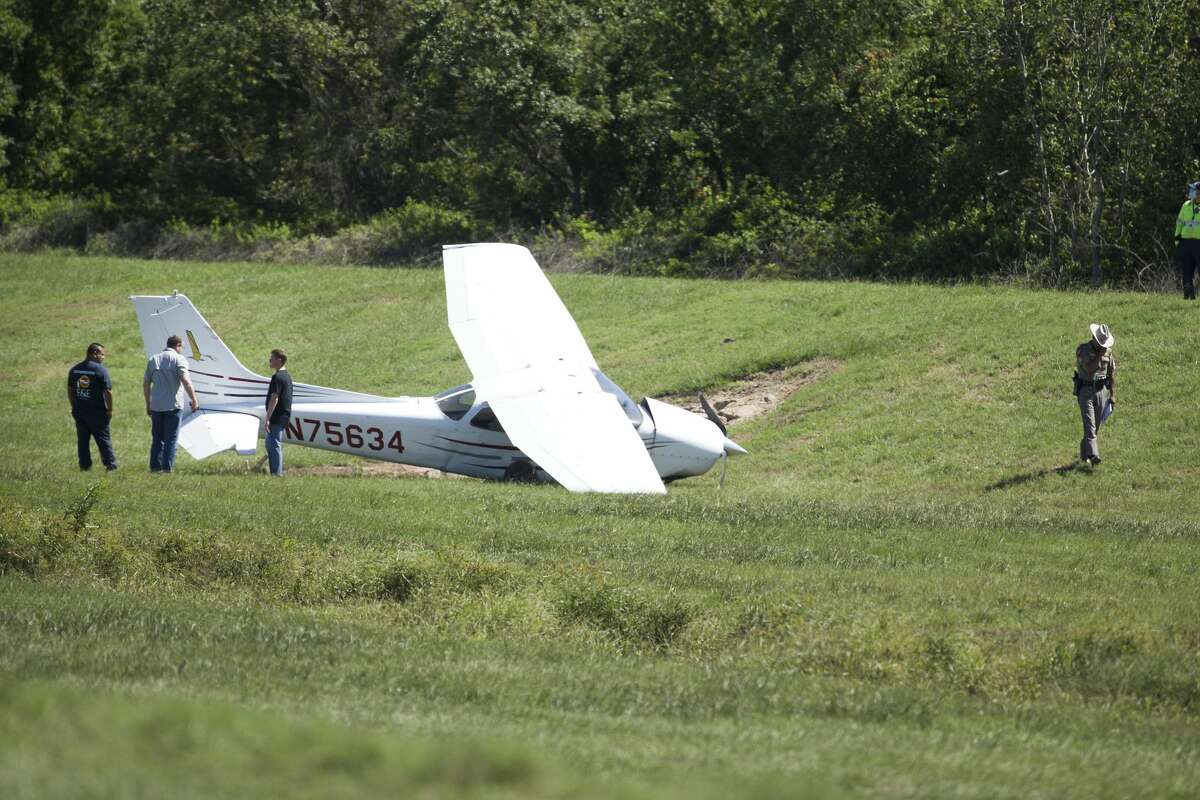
(89, 391)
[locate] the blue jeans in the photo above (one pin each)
(164, 432)
(275, 446)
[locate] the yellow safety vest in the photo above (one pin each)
(1187, 225)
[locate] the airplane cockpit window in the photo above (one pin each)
(486, 419)
(456, 402)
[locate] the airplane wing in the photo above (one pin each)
(206, 432)
(532, 365)
(504, 314)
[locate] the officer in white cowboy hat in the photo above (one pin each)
(1095, 387)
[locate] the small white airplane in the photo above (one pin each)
(538, 406)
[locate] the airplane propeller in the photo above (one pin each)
(730, 446)
(712, 415)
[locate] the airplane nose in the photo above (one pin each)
(732, 448)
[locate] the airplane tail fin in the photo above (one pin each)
(217, 375)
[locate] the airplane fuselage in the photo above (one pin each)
(417, 432)
(404, 430)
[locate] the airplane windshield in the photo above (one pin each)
(486, 419)
(456, 402)
(628, 406)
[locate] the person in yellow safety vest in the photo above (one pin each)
(1187, 240)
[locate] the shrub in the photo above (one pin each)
(204, 558)
(409, 233)
(18, 551)
(630, 618)
(399, 581)
(749, 230)
(467, 571)
(31, 221)
(35, 544)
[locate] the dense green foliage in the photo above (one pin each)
(1047, 140)
(907, 588)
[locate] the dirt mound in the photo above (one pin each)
(759, 393)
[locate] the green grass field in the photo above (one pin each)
(908, 589)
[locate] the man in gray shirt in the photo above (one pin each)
(165, 373)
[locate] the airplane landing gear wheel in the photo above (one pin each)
(521, 472)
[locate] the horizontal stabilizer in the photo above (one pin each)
(206, 432)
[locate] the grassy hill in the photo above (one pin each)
(908, 588)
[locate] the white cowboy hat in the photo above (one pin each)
(1101, 335)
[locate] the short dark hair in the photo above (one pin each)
(279, 353)
(174, 341)
(94, 347)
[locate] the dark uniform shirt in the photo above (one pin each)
(1093, 366)
(87, 382)
(281, 384)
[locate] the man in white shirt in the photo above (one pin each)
(165, 373)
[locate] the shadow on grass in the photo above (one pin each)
(1037, 475)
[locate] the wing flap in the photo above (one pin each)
(582, 439)
(207, 432)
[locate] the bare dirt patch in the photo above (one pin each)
(759, 393)
(371, 469)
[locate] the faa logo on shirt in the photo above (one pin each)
(83, 386)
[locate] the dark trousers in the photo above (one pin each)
(90, 425)
(1189, 262)
(164, 432)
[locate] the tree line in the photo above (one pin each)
(943, 139)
